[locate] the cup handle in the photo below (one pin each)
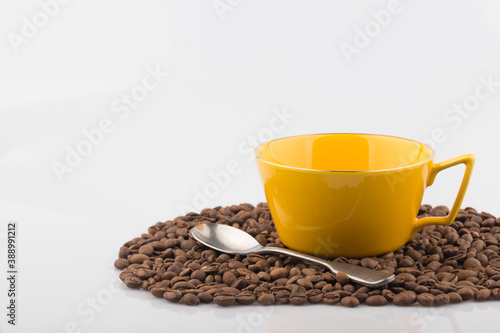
(468, 160)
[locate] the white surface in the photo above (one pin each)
(225, 79)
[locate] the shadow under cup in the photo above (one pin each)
(351, 195)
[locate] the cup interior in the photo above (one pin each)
(344, 152)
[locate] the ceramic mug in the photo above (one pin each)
(351, 195)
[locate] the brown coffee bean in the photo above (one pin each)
(388, 294)
(471, 263)
(376, 300)
(369, 263)
(147, 250)
(466, 293)
(283, 296)
(205, 297)
(173, 296)
(305, 283)
(190, 299)
(496, 293)
(483, 295)
(404, 298)
(314, 296)
(331, 298)
(224, 299)
(228, 278)
(455, 297)
(342, 278)
(133, 282)
(298, 298)
(138, 258)
(426, 299)
(199, 275)
(245, 298)
(441, 299)
(266, 299)
(124, 252)
(278, 273)
(349, 301)
(121, 263)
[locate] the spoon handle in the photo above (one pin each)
(358, 274)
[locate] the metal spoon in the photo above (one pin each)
(230, 240)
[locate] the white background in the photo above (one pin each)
(229, 74)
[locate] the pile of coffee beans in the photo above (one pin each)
(440, 265)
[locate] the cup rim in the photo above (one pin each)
(431, 157)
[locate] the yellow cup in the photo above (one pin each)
(351, 195)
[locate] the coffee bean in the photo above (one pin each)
(245, 298)
(228, 278)
(342, 278)
(441, 299)
(426, 299)
(471, 263)
(314, 296)
(190, 299)
(496, 293)
(172, 296)
(466, 293)
(205, 297)
(369, 263)
(455, 297)
(138, 258)
(376, 300)
(298, 298)
(133, 282)
(482, 295)
(349, 301)
(278, 273)
(404, 298)
(147, 250)
(121, 263)
(266, 299)
(305, 283)
(224, 299)
(283, 296)
(124, 252)
(331, 298)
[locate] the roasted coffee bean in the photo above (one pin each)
(305, 283)
(147, 250)
(441, 299)
(314, 296)
(496, 293)
(376, 300)
(342, 278)
(298, 298)
(471, 263)
(245, 298)
(426, 299)
(138, 258)
(405, 298)
(482, 295)
(278, 273)
(266, 299)
(133, 282)
(124, 252)
(224, 299)
(331, 298)
(455, 297)
(190, 299)
(439, 265)
(205, 297)
(172, 296)
(349, 301)
(121, 263)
